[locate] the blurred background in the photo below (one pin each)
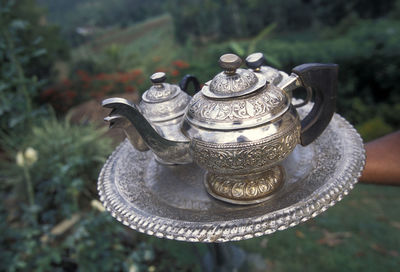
(59, 59)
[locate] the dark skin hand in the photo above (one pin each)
(383, 161)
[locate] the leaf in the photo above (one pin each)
(262, 35)
(3, 86)
(333, 238)
(62, 227)
(38, 40)
(236, 48)
(19, 24)
(39, 52)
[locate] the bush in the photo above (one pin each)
(50, 219)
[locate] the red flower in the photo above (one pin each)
(83, 75)
(66, 82)
(106, 88)
(47, 93)
(123, 77)
(102, 76)
(174, 73)
(129, 89)
(70, 94)
(180, 64)
(136, 73)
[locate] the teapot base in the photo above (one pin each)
(245, 189)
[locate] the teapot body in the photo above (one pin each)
(235, 153)
(242, 141)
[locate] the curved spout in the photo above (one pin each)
(119, 121)
(169, 152)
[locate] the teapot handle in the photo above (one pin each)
(184, 83)
(322, 80)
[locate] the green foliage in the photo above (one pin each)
(374, 128)
(35, 43)
(99, 13)
(368, 58)
(28, 48)
(69, 157)
(63, 176)
(207, 20)
(252, 44)
(97, 244)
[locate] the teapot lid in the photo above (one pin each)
(236, 99)
(233, 81)
(160, 91)
(163, 101)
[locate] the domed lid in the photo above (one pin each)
(163, 101)
(233, 81)
(236, 99)
(160, 91)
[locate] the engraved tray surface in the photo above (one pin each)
(171, 201)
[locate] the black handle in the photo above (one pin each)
(184, 83)
(322, 80)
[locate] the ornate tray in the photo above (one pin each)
(171, 201)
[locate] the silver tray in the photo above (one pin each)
(171, 201)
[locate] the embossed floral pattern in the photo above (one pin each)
(245, 156)
(241, 188)
(269, 103)
(166, 109)
(157, 93)
(223, 84)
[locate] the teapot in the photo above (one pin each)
(239, 127)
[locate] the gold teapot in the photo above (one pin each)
(239, 127)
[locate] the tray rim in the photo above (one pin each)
(225, 231)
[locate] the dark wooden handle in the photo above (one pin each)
(321, 79)
(184, 83)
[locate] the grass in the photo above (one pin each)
(361, 233)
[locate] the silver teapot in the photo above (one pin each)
(239, 127)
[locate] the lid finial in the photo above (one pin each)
(255, 61)
(158, 78)
(230, 62)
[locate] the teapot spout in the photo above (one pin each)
(166, 151)
(119, 121)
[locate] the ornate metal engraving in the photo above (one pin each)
(163, 101)
(166, 110)
(245, 189)
(157, 93)
(228, 85)
(263, 107)
(245, 157)
(171, 202)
